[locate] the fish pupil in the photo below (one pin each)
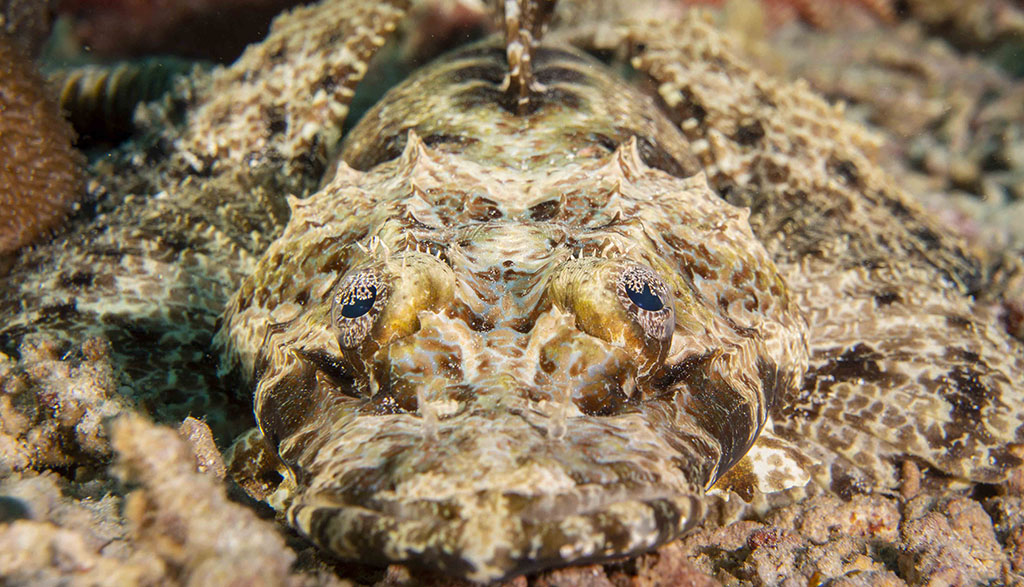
(645, 298)
(360, 303)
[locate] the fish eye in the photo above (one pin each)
(382, 301)
(359, 302)
(359, 299)
(640, 293)
(645, 297)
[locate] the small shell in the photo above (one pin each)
(100, 100)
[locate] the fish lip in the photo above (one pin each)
(555, 504)
(464, 548)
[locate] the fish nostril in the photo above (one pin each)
(600, 378)
(393, 399)
(416, 369)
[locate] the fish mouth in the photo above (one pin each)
(478, 549)
(492, 535)
(491, 466)
(485, 497)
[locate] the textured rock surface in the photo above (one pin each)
(156, 519)
(52, 410)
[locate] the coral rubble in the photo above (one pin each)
(52, 409)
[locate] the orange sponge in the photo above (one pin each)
(40, 172)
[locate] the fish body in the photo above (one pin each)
(501, 339)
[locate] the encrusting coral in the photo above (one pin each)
(27, 22)
(39, 167)
(175, 526)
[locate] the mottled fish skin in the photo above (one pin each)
(497, 341)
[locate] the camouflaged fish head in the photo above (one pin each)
(499, 339)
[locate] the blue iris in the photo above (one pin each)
(645, 299)
(359, 306)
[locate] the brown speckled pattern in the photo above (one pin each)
(180, 218)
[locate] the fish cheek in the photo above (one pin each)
(286, 406)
